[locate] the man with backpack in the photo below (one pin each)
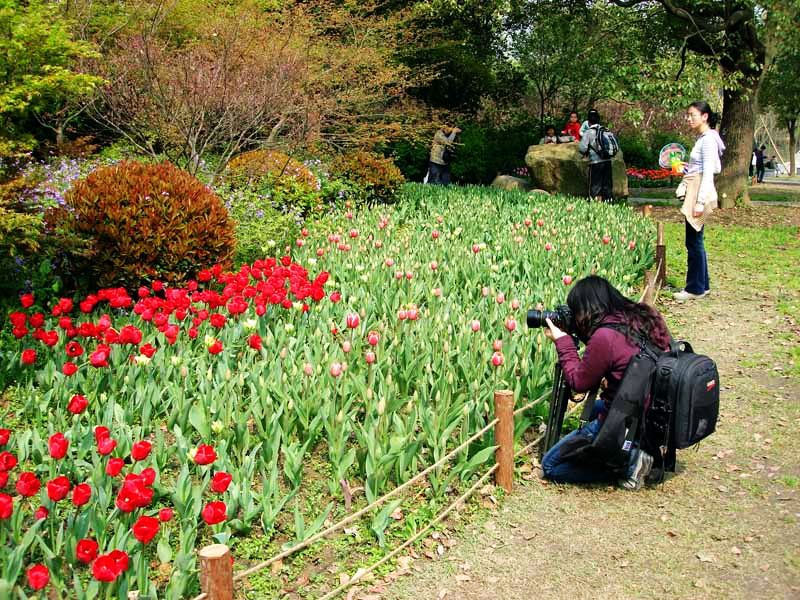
(600, 146)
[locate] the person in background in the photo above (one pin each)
(600, 170)
(573, 128)
(760, 167)
(550, 136)
(752, 171)
(701, 196)
(441, 155)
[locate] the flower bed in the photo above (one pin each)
(158, 419)
(650, 177)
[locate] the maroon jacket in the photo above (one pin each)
(607, 355)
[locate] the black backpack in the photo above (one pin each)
(607, 144)
(665, 401)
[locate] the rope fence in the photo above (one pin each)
(216, 564)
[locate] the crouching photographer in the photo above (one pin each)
(613, 329)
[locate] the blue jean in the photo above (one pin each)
(571, 471)
(438, 174)
(697, 264)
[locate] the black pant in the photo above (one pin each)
(439, 174)
(760, 173)
(600, 180)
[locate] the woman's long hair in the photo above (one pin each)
(593, 299)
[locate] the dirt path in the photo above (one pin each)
(726, 526)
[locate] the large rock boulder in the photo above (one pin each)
(560, 168)
(509, 182)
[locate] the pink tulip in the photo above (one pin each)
(389, 262)
(540, 222)
(476, 325)
(567, 279)
(511, 324)
(401, 314)
(434, 265)
(528, 222)
(409, 275)
(308, 369)
(515, 304)
(476, 248)
(353, 233)
(373, 338)
(435, 234)
(548, 246)
(369, 357)
(378, 244)
(497, 345)
(346, 346)
(501, 297)
(437, 292)
(398, 275)
(352, 320)
(497, 359)
(631, 245)
(606, 239)
(412, 314)
(336, 369)
(485, 291)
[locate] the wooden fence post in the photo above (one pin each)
(504, 438)
(661, 257)
(216, 572)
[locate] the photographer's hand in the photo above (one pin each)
(552, 332)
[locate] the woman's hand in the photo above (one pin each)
(552, 332)
(698, 210)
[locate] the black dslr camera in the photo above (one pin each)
(561, 316)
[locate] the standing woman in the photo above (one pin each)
(700, 196)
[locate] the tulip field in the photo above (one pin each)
(141, 424)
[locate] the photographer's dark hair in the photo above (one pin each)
(593, 117)
(593, 298)
(703, 107)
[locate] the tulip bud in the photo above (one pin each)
(381, 406)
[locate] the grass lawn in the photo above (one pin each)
(759, 194)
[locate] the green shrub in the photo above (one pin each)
(262, 230)
(377, 176)
(636, 152)
(147, 221)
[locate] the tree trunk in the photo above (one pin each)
(792, 127)
(737, 130)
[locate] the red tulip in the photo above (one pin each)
(58, 488)
(107, 567)
(74, 349)
(38, 577)
(99, 358)
(41, 513)
(373, 338)
(165, 515)
(335, 297)
(220, 482)
(214, 512)
(3, 479)
(28, 484)
(140, 450)
(58, 445)
(133, 494)
(145, 529)
(7, 461)
(86, 551)
(101, 433)
(215, 348)
(106, 446)
(26, 300)
(114, 466)
(77, 404)
(28, 356)
(6, 506)
(4, 435)
(69, 369)
(205, 455)
(254, 341)
(148, 476)
(81, 494)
